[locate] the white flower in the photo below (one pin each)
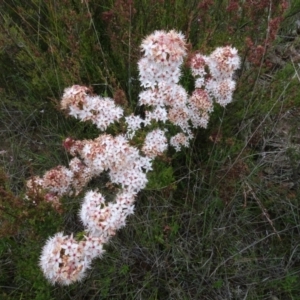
(179, 140)
(133, 124)
(155, 143)
(223, 62)
(221, 90)
(60, 262)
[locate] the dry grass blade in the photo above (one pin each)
(263, 209)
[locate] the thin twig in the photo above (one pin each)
(263, 209)
(243, 250)
(238, 253)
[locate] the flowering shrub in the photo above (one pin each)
(65, 259)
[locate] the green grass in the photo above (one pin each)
(219, 220)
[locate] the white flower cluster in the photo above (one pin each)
(103, 219)
(221, 64)
(155, 143)
(179, 140)
(127, 169)
(133, 123)
(65, 259)
(163, 56)
(166, 100)
(105, 153)
(200, 106)
(81, 105)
